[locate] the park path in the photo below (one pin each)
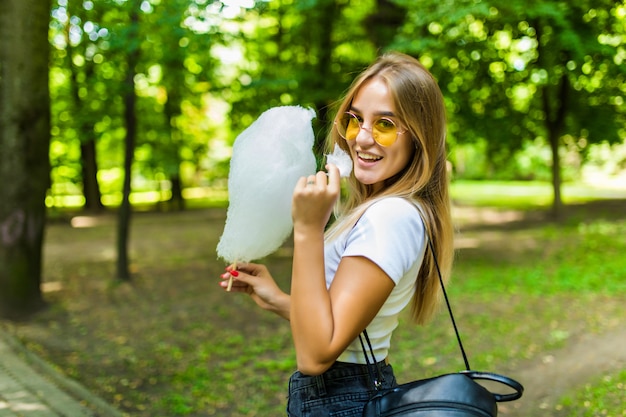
(29, 387)
(547, 378)
(551, 375)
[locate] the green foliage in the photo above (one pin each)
(174, 344)
(526, 195)
(516, 71)
(90, 43)
(578, 265)
(208, 69)
(533, 162)
(194, 387)
(604, 397)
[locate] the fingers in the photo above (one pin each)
(231, 282)
(247, 267)
(334, 177)
(237, 266)
(302, 182)
(330, 178)
(242, 272)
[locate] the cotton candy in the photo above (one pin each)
(268, 159)
(342, 160)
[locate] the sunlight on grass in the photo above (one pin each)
(196, 196)
(509, 194)
(501, 194)
(523, 290)
(526, 194)
(597, 398)
(581, 259)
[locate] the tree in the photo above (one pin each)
(24, 142)
(168, 51)
(82, 95)
(130, 123)
(302, 54)
(520, 70)
(82, 77)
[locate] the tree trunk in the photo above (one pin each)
(557, 203)
(88, 160)
(555, 121)
(176, 201)
(555, 112)
(324, 21)
(91, 188)
(382, 25)
(24, 143)
(130, 120)
(172, 111)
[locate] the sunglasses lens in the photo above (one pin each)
(385, 132)
(348, 126)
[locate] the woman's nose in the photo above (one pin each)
(365, 137)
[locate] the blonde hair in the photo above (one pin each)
(419, 105)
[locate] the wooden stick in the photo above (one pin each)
(230, 280)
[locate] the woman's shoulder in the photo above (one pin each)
(395, 210)
(396, 204)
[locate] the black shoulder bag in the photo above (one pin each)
(449, 395)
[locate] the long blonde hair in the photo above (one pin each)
(419, 105)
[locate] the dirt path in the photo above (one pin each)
(546, 378)
(549, 377)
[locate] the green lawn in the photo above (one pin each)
(601, 397)
(171, 343)
(528, 194)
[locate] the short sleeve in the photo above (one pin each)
(391, 234)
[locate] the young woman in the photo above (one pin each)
(373, 260)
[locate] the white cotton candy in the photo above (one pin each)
(268, 159)
(342, 160)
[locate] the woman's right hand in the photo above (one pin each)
(256, 281)
(314, 198)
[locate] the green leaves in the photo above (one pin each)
(514, 74)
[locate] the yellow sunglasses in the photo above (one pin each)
(383, 130)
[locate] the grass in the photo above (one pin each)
(172, 343)
(524, 195)
(601, 397)
(502, 290)
(587, 258)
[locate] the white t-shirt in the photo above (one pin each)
(391, 234)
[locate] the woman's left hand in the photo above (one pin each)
(256, 281)
(314, 198)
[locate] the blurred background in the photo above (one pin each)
(534, 89)
(113, 107)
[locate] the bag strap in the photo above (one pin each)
(445, 296)
(518, 388)
(376, 382)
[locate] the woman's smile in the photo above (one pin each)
(374, 163)
(368, 157)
